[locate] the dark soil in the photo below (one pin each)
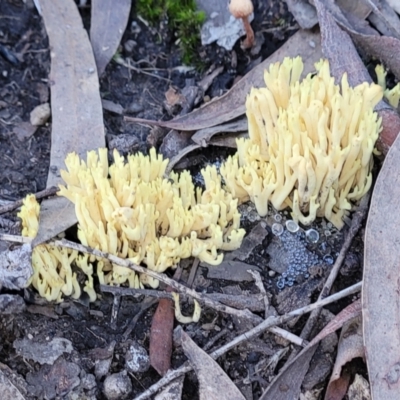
(24, 162)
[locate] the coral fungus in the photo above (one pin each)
(310, 144)
(132, 210)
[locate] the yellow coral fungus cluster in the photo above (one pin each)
(52, 273)
(131, 210)
(310, 144)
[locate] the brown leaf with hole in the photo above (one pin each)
(77, 115)
(214, 384)
(350, 346)
(162, 327)
(107, 25)
(339, 49)
(381, 281)
(287, 383)
(232, 104)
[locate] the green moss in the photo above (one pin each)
(183, 19)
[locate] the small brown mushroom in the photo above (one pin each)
(242, 9)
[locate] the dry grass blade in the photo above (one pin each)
(107, 25)
(77, 116)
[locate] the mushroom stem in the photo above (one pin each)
(249, 41)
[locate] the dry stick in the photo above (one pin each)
(122, 62)
(15, 238)
(114, 311)
(251, 302)
(276, 330)
(265, 325)
(51, 191)
(358, 217)
(202, 298)
(193, 272)
(179, 287)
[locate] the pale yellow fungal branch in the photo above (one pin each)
(310, 144)
(392, 95)
(52, 274)
(178, 313)
(130, 210)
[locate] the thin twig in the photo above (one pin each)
(270, 322)
(193, 271)
(39, 195)
(356, 222)
(122, 62)
(202, 298)
(15, 238)
(252, 302)
(114, 311)
(275, 330)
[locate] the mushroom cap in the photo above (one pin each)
(241, 8)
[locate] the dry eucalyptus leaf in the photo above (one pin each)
(162, 326)
(232, 104)
(361, 9)
(287, 383)
(228, 139)
(350, 346)
(384, 18)
(384, 48)
(214, 384)
(395, 4)
(339, 49)
(380, 294)
(107, 25)
(203, 136)
(303, 12)
(77, 115)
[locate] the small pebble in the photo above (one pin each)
(117, 386)
(40, 114)
(137, 359)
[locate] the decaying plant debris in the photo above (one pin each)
(271, 311)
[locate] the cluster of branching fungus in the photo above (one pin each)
(310, 149)
(310, 144)
(53, 274)
(132, 210)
